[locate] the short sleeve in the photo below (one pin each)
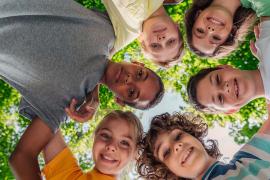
(63, 166)
(258, 146)
(26, 110)
(127, 18)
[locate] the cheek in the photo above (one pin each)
(98, 146)
(126, 157)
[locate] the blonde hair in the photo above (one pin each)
(129, 117)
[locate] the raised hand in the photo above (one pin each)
(87, 110)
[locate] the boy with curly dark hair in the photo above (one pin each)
(175, 148)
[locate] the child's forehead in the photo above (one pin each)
(118, 126)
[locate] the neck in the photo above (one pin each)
(258, 83)
(210, 163)
(230, 6)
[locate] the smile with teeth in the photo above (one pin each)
(187, 155)
(215, 21)
(108, 159)
(236, 88)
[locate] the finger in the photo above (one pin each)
(256, 32)
(72, 105)
(253, 48)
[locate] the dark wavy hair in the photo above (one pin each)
(156, 100)
(148, 166)
(243, 19)
(192, 88)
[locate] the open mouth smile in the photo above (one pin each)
(216, 21)
(108, 159)
(187, 155)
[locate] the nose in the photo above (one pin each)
(161, 37)
(177, 147)
(111, 147)
(226, 87)
(211, 28)
(128, 79)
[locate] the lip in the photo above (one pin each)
(187, 155)
(108, 159)
(216, 21)
(236, 88)
(159, 30)
(117, 77)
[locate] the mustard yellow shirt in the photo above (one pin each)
(127, 17)
(65, 167)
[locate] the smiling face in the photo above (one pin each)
(211, 28)
(132, 83)
(226, 89)
(114, 146)
(161, 39)
(182, 153)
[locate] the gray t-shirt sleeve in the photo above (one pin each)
(52, 51)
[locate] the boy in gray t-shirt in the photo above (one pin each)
(53, 51)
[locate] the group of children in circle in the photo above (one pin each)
(174, 146)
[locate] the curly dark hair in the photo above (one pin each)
(148, 166)
(243, 19)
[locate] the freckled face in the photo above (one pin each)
(114, 146)
(161, 39)
(182, 153)
(211, 29)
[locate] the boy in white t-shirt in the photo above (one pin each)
(148, 21)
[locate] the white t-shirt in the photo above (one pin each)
(127, 17)
(263, 49)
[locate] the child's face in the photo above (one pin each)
(160, 39)
(131, 83)
(182, 153)
(226, 89)
(114, 146)
(211, 29)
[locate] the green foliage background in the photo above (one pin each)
(244, 123)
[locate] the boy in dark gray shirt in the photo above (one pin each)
(53, 51)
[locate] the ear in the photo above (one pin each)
(119, 101)
(137, 63)
(231, 111)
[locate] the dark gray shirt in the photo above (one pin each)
(52, 51)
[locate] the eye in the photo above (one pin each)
(166, 153)
(200, 30)
(155, 46)
(139, 74)
(131, 92)
(125, 144)
(220, 99)
(171, 42)
(104, 136)
(178, 136)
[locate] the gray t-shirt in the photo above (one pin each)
(52, 51)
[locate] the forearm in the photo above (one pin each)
(54, 147)
(24, 159)
(24, 166)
